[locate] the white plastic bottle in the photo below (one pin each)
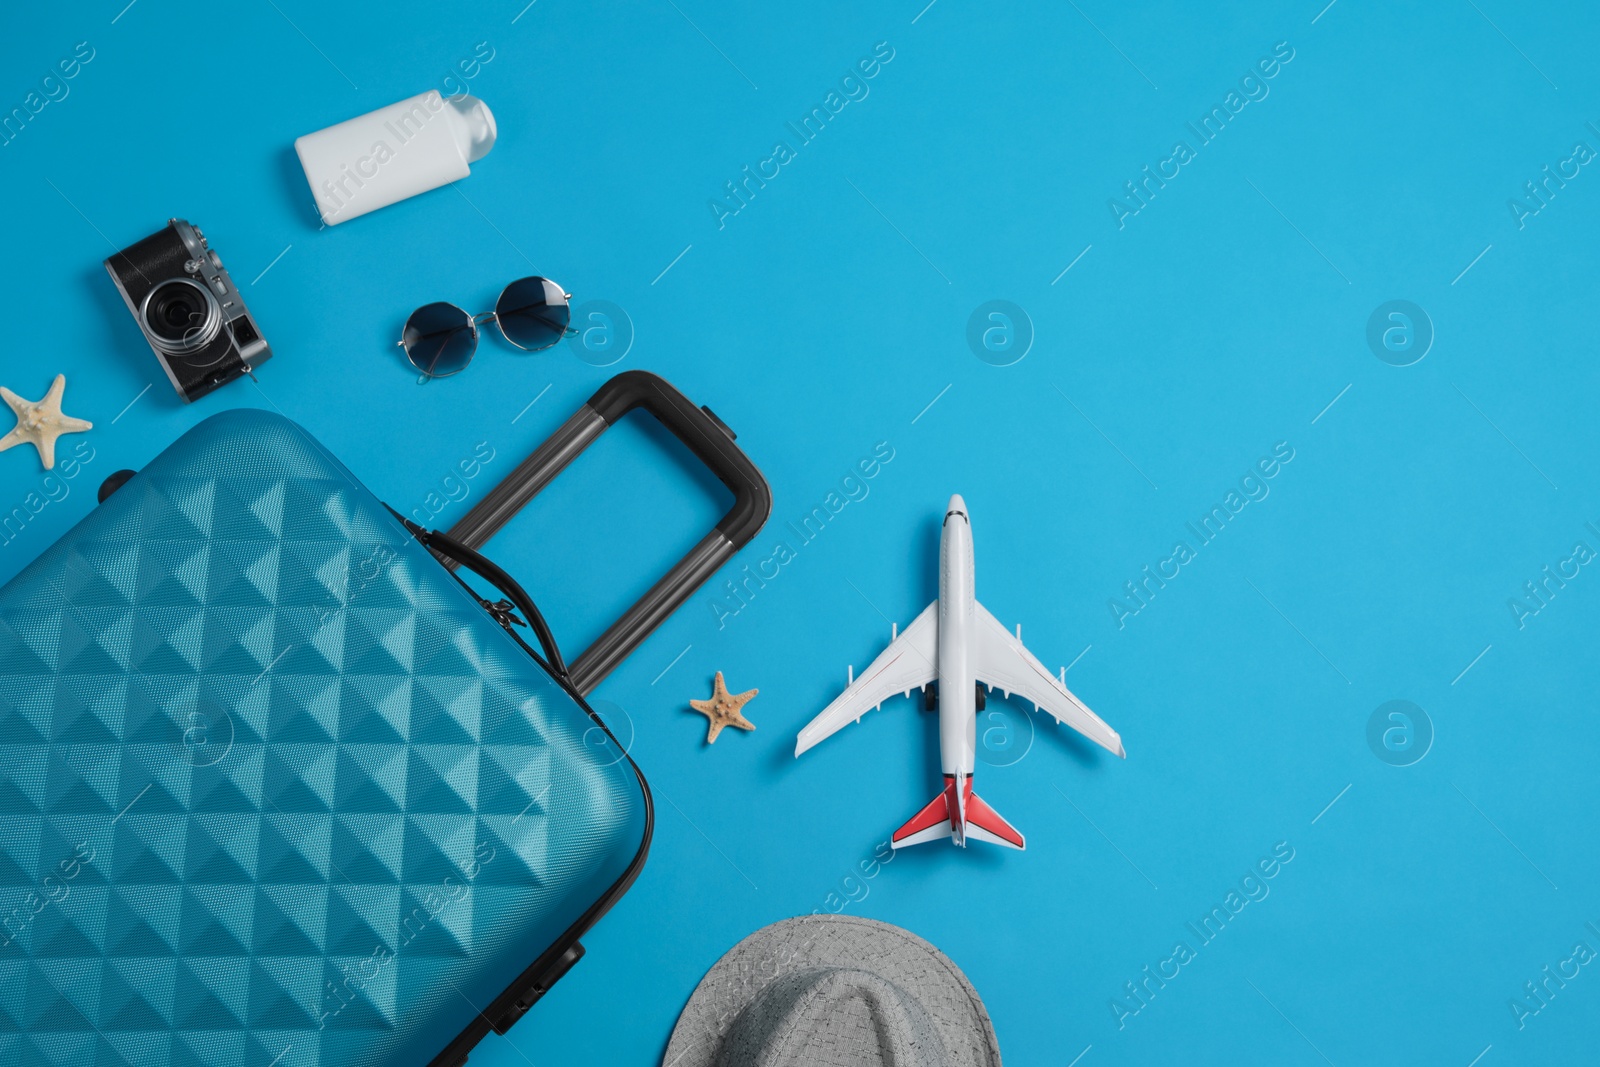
(401, 150)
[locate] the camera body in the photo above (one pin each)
(189, 310)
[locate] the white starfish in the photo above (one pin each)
(39, 423)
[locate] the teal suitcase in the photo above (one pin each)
(279, 789)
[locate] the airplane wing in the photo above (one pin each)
(1001, 662)
(908, 663)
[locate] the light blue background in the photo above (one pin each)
(823, 318)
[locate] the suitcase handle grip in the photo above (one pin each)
(705, 435)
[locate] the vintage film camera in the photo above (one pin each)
(189, 309)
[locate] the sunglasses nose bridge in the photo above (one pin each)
(487, 316)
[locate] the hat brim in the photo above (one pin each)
(813, 941)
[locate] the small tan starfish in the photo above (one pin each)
(723, 709)
(40, 422)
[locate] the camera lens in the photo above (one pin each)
(181, 315)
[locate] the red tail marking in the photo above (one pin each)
(932, 815)
(985, 817)
(954, 803)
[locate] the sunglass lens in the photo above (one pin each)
(439, 339)
(533, 313)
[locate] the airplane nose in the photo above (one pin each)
(957, 505)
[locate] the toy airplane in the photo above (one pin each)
(956, 641)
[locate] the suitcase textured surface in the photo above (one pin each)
(274, 789)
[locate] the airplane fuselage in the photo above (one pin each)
(958, 707)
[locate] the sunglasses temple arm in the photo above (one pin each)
(565, 331)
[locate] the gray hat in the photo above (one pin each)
(832, 991)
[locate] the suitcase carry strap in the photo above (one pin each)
(706, 436)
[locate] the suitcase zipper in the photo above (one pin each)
(504, 613)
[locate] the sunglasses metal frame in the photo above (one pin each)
(472, 322)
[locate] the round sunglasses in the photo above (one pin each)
(441, 339)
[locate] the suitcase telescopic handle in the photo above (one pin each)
(706, 436)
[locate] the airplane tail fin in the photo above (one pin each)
(985, 824)
(936, 821)
(932, 823)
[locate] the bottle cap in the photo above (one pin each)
(473, 124)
